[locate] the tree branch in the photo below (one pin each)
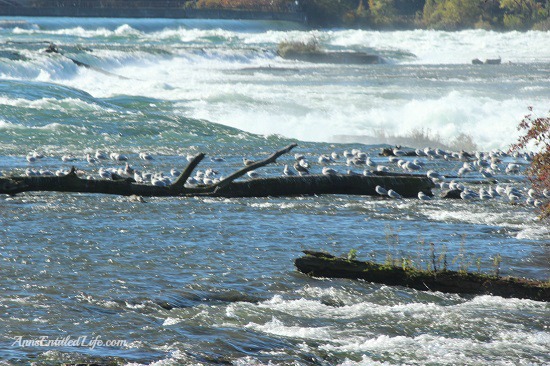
(239, 173)
(180, 182)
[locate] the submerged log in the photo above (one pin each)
(339, 57)
(326, 265)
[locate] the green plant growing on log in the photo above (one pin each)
(497, 260)
(442, 258)
(536, 131)
(478, 264)
(432, 256)
(352, 255)
(460, 258)
(392, 239)
(406, 263)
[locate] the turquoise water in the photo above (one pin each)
(207, 281)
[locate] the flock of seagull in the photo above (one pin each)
(487, 166)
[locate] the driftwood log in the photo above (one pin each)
(320, 264)
(406, 185)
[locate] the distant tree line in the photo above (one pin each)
(377, 14)
(432, 14)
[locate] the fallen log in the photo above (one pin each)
(261, 187)
(319, 264)
(406, 185)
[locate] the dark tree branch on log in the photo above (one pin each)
(239, 173)
(180, 182)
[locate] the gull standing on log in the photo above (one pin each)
(300, 169)
(287, 172)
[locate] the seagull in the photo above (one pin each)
(210, 172)
(118, 157)
(67, 158)
(329, 171)
(423, 196)
(99, 155)
(324, 159)
(300, 169)
(394, 194)
(138, 178)
(158, 182)
(90, 159)
(486, 173)
(467, 195)
(381, 191)
(37, 155)
(104, 173)
(484, 195)
(420, 152)
(145, 156)
(398, 152)
(128, 170)
(347, 154)
(513, 198)
(287, 171)
(303, 163)
(253, 174)
(367, 173)
(61, 172)
(432, 174)
(248, 162)
(46, 172)
(31, 172)
(512, 168)
(175, 173)
(410, 166)
(192, 181)
(532, 193)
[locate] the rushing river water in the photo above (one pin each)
(207, 281)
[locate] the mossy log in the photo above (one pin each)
(406, 185)
(319, 264)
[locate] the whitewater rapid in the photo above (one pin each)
(228, 73)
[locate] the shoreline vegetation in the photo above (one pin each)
(499, 15)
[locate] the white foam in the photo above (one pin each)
(204, 79)
(439, 47)
(170, 321)
(275, 326)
